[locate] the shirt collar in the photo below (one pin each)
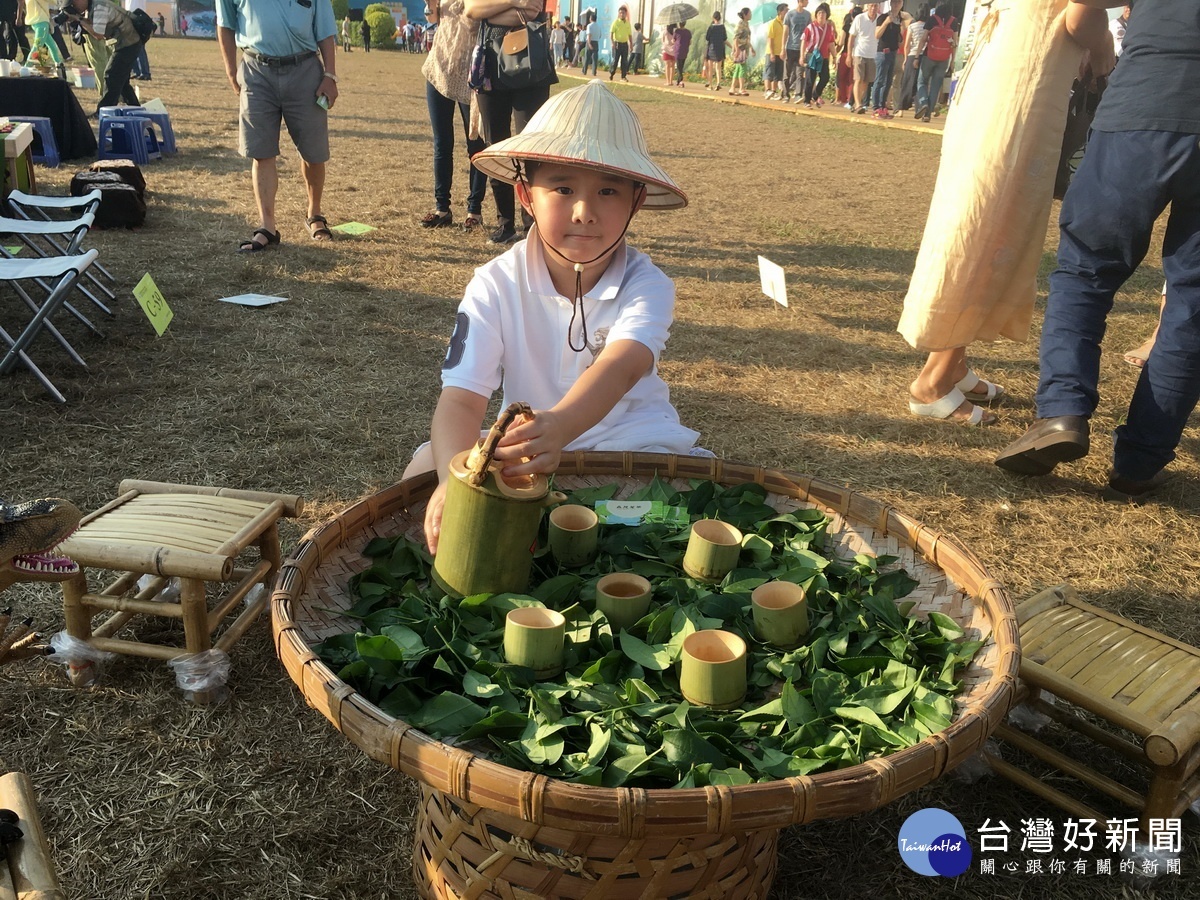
(537, 274)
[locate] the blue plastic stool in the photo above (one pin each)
(41, 126)
(128, 137)
(162, 120)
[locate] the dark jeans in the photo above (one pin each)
(929, 83)
(620, 55)
(499, 110)
(1105, 229)
(886, 63)
(637, 62)
(591, 54)
(908, 84)
(792, 73)
(441, 117)
(141, 66)
(116, 77)
(813, 92)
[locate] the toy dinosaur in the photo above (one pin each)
(29, 533)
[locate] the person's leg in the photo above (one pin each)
(1169, 386)
(623, 55)
(8, 30)
(924, 80)
(314, 185)
(937, 381)
(143, 62)
(1103, 236)
(478, 181)
(441, 120)
(935, 85)
(97, 55)
(264, 175)
(791, 68)
(495, 109)
(41, 35)
(1138, 355)
(883, 80)
(822, 82)
(116, 77)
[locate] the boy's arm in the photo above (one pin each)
(456, 425)
(602, 385)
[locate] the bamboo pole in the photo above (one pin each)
(1072, 767)
(293, 504)
(121, 585)
(240, 540)
(113, 624)
(125, 497)
(241, 625)
(149, 559)
(136, 648)
(29, 860)
(1102, 706)
(144, 607)
(217, 615)
(1023, 779)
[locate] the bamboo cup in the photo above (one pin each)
(574, 535)
(780, 613)
(623, 598)
(712, 550)
(533, 637)
(713, 669)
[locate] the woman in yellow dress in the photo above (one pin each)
(976, 272)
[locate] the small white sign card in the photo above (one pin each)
(253, 300)
(774, 282)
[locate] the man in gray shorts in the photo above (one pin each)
(286, 75)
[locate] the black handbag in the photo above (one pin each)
(523, 58)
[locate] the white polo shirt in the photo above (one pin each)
(862, 29)
(511, 332)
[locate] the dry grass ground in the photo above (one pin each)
(144, 795)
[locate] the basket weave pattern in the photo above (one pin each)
(541, 810)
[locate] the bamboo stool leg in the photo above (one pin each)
(268, 548)
(78, 625)
(197, 638)
(29, 866)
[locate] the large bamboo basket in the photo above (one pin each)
(489, 831)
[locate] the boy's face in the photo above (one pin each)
(579, 212)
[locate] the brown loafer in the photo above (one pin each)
(1047, 443)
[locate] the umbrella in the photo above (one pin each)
(764, 13)
(676, 12)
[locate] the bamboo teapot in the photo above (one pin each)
(489, 524)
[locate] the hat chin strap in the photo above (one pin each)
(577, 300)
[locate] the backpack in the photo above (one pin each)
(941, 40)
(144, 25)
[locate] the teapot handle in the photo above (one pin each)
(480, 460)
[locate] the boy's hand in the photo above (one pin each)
(433, 517)
(536, 444)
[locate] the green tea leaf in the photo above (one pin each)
(656, 658)
(476, 684)
(685, 748)
(447, 714)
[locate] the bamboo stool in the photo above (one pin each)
(169, 531)
(28, 871)
(1131, 677)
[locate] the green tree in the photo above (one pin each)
(383, 26)
(341, 9)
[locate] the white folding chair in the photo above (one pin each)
(62, 273)
(38, 235)
(36, 206)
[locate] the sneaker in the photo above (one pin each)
(504, 234)
(808, 106)
(820, 103)
(925, 118)
(861, 110)
(849, 106)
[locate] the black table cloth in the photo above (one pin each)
(53, 99)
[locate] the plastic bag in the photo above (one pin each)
(169, 593)
(1027, 718)
(202, 675)
(80, 657)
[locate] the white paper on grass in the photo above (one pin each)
(774, 282)
(253, 300)
(155, 106)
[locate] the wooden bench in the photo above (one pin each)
(1139, 681)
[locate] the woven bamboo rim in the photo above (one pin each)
(952, 581)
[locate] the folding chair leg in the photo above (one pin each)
(30, 365)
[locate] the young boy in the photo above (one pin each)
(571, 320)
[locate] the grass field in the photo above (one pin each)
(146, 796)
